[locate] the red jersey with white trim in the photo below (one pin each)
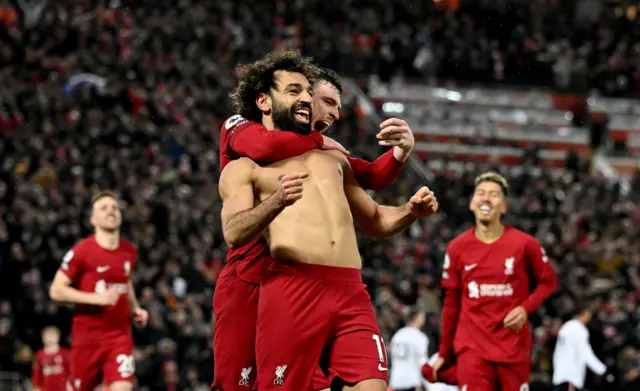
(51, 371)
(493, 279)
(93, 268)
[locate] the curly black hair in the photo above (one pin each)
(258, 77)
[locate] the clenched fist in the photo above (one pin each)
(423, 203)
(290, 188)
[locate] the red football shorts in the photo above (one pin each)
(481, 375)
(235, 307)
(109, 362)
(310, 313)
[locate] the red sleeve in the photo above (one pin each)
(451, 306)
(379, 174)
(254, 141)
(449, 322)
(36, 372)
(541, 272)
(71, 264)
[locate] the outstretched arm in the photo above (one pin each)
(374, 219)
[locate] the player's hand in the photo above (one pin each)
(290, 188)
(396, 132)
(516, 319)
(330, 143)
(110, 297)
(437, 366)
(140, 317)
(423, 203)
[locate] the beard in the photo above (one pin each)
(285, 118)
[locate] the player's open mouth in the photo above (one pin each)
(485, 209)
(303, 114)
(321, 125)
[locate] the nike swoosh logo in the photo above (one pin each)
(470, 267)
(381, 368)
(102, 269)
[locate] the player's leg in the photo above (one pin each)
(514, 377)
(294, 319)
(118, 366)
(475, 373)
(235, 307)
(357, 353)
(85, 367)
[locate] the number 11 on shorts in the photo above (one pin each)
(382, 352)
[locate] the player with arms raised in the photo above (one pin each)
(488, 274)
(51, 370)
(236, 294)
(95, 275)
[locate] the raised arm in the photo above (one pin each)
(385, 170)
(378, 220)
(241, 221)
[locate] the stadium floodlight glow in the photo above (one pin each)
(393, 107)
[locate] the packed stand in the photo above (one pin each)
(142, 118)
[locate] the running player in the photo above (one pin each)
(488, 274)
(51, 370)
(236, 294)
(298, 316)
(409, 349)
(95, 275)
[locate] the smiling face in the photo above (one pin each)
(488, 203)
(290, 102)
(326, 105)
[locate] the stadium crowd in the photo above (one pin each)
(142, 119)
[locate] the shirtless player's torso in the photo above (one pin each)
(318, 228)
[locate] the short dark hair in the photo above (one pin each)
(583, 305)
(258, 77)
(330, 76)
(102, 194)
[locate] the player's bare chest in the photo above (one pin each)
(323, 169)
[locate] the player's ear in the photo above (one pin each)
(92, 220)
(263, 101)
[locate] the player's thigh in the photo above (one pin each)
(86, 366)
(514, 377)
(118, 364)
(236, 312)
(294, 319)
(475, 373)
(121, 386)
(357, 351)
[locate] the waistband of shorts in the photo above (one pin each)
(311, 270)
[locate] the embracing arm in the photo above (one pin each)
(254, 141)
(377, 175)
(374, 219)
(241, 221)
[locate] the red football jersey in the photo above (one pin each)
(51, 371)
(247, 262)
(92, 268)
(493, 279)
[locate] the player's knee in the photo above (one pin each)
(121, 386)
(368, 385)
